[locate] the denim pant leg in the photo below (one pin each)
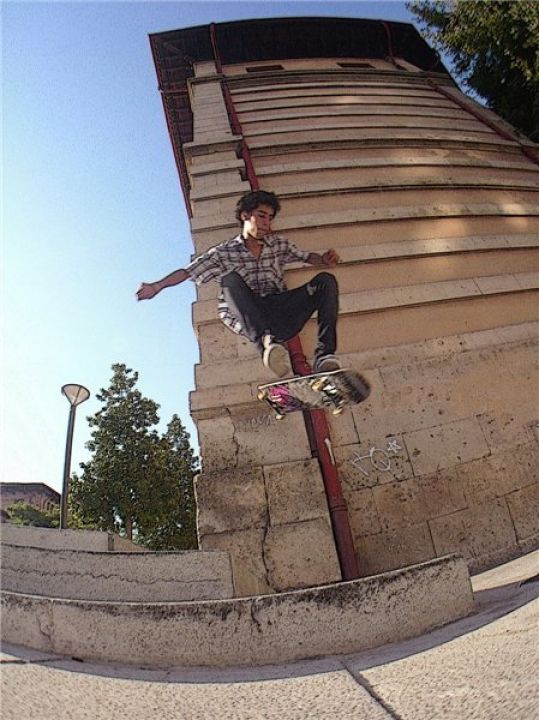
(246, 306)
(291, 310)
(327, 304)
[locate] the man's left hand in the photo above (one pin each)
(330, 258)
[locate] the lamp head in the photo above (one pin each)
(76, 394)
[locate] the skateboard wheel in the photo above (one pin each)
(317, 385)
(278, 416)
(338, 411)
(261, 395)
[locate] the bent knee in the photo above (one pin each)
(232, 279)
(327, 280)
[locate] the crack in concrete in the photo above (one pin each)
(234, 440)
(254, 617)
(37, 661)
(71, 573)
(13, 662)
(266, 531)
(366, 685)
(45, 622)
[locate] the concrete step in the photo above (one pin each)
(141, 577)
(333, 619)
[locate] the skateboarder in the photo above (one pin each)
(254, 301)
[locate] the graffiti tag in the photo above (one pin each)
(379, 458)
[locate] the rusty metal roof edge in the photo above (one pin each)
(294, 18)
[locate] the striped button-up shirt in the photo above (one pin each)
(264, 275)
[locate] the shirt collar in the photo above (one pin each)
(242, 239)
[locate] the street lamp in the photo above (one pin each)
(76, 394)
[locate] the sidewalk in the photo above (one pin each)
(484, 667)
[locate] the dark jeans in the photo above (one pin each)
(283, 315)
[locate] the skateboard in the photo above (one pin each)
(331, 390)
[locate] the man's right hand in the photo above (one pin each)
(147, 291)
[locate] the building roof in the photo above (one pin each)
(27, 487)
(297, 37)
(175, 51)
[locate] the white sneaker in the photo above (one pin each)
(327, 363)
(275, 357)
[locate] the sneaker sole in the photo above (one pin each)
(329, 366)
(278, 361)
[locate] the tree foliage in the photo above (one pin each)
(21, 513)
(137, 482)
(494, 45)
(24, 514)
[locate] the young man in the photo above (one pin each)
(254, 301)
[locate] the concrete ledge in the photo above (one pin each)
(333, 619)
(219, 392)
(336, 79)
(332, 134)
(383, 214)
(66, 539)
(348, 109)
(118, 576)
(405, 250)
(205, 311)
(289, 167)
(378, 184)
(222, 376)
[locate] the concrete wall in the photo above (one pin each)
(436, 217)
(342, 618)
(53, 538)
(116, 576)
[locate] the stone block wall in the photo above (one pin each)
(433, 207)
(272, 519)
(444, 456)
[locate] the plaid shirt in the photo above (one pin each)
(264, 275)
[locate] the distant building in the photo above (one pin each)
(39, 495)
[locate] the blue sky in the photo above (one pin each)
(92, 206)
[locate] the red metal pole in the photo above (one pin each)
(528, 152)
(337, 507)
(233, 115)
(338, 511)
(389, 43)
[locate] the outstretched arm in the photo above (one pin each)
(330, 258)
(149, 290)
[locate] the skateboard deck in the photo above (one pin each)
(320, 391)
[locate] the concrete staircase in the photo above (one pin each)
(177, 608)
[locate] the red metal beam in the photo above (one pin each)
(479, 115)
(389, 43)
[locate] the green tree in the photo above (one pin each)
(21, 513)
(136, 482)
(169, 519)
(494, 45)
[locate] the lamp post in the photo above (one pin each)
(76, 394)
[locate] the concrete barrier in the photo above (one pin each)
(333, 619)
(117, 576)
(66, 539)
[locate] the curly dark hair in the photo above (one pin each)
(251, 200)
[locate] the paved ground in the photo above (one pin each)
(483, 667)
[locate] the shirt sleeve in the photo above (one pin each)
(205, 267)
(291, 253)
